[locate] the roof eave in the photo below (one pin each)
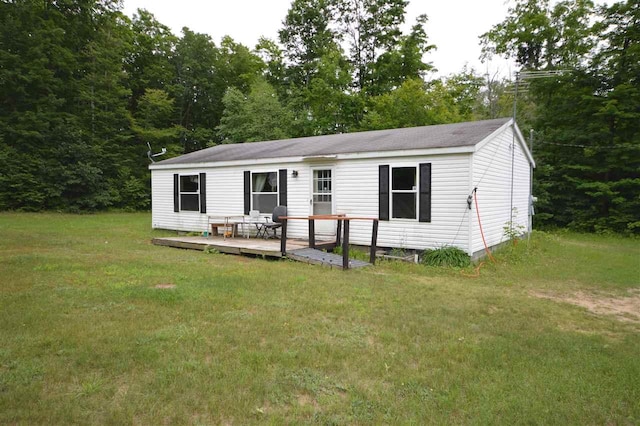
(337, 157)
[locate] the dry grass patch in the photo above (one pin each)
(165, 286)
(622, 308)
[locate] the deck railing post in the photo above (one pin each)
(312, 233)
(374, 241)
(345, 246)
(283, 238)
(338, 233)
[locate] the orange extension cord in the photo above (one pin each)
(486, 249)
(484, 241)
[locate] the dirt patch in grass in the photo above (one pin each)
(623, 308)
(304, 400)
(165, 286)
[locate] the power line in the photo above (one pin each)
(625, 146)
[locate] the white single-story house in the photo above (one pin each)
(416, 181)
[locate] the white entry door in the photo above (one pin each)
(322, 200)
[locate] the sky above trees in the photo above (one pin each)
(453, 26)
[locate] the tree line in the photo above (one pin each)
(84, 90)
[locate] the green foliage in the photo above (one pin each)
(512, 229)
(149, 56)
(370, 27)
(153, 122)
(329, 89)
(447, 256)
(255, 117)
(273, 57)
(406, 106)
(538, 35)
(324, 106)
(306, 37)
(64, 117)
(586, 119)
(356, 253)
(416, 103)
(85, 90)
(402, 62)
(197, 90)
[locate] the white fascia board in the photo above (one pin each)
(519, 137)
(407, 153)
(524, 145)
(350, 156)
(206, 165)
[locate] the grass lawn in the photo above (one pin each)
(87, 337)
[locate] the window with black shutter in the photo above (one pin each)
(264, 191)
(404, 192)
(189, 193)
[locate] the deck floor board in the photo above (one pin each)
(297, 250)
(253, 246)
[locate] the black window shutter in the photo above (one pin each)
(425, 192)
(176, 193)
(247, 192)
(282, 186)
(203, 192)
(383, 193)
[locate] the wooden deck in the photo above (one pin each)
(238, 245)
(296, 249)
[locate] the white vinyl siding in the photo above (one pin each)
(356, 193)
(355, 189)
(492, 177)
(225, 196)
(162, 214)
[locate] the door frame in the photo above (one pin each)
(312, 170)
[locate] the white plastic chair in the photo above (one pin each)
(254, 219)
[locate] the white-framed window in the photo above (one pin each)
(264, 191)
(404, 193)
(189, 193)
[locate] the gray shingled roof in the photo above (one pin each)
(437, 136)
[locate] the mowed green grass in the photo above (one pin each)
(86, 337)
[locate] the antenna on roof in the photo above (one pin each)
(151, 155)
(523, 79)
(521, 84)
